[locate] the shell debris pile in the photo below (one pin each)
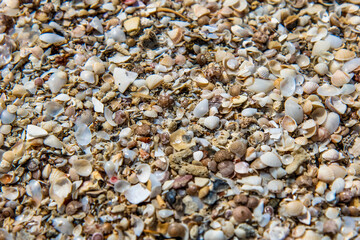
(188, 119)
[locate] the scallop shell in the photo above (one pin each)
(289, 124)
(143, 172)
(336, 104)
(294, 110)
(332, 122)
(270, 159)
(55, 174)
(263, 72)
(340, 78)
(294, 208)
(344, 55)
(82, 167)
(319, 115)
(60, 190)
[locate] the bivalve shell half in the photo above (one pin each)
(275, 186)
(82, 167)
(335, 104)
(60, 190)
(326, 174)
(340, 78)
(289, 124)
(310, 128)
(328, 90)
(344, 55)
(270, 159)
(319, 115)
(332, 122)
(294, 208)
(143, 172)
(330, 155)
(303, 61)
(310, 87)
(294, 110)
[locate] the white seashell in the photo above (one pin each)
(321, 69)
(320, 48)
(288, 86)
(201, 109)
(261, 85)
(275, 186)
(309, 127)
(6, 117)
(287, 159)
(338, 185)
(303, 61)
(108, 116)
(82, 167)
(289, 124)
(98, 106)
(351, 65)
(327, 90)
(137, 194)
(117, 34)
(51, 38)
(87, 76)
(97, 25)
(138, 225)
(121, 186)
(310, 87)
(335, 42)
(319, 115)
(143, 172)
(263, 72)
(270, 159)
(56, 81)
(53, 141)
(10, 193)
(335, 104)
(33, 189)
(340, 78)
(60, 190)
(242, 167)
(332, 212)
(211, 122)
(214, 235)
(149, 210)
(251, 180)
(154, 81)
(62, 97)
(63, 225)
(248, 112)
(331, 155)
(198, 155)
(33, 131)
(83, 134)
(165, 213)
(124, 78)
(294, 110)
(125, 133)
(332, 122)
(348, 89)
(325, 174)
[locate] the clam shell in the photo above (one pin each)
(289, 124)
(288, 86)
(10, 193)
(339, 78)
(143, 172)
(294, 208)
(310, 87)
(319, 115)
(137, 194)
(121, 186)
(60, 190)
(321, 69)
(270, 159)
(339, 171)
(327, 90)
(275, 186)
(344, 55)
(82, 167)
(320, 48)
(303, 61)
(261, 85)
(332, 122)
(310, 128)
(330, 155)
(263, 72)
(351, 65)
(294, 110)
(325, 174)
(335, 104)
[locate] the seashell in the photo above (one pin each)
(307, 107)
(294, 110)
(310, 128)
(248, 112)
(176, 35)
(320, 48)
(294, 208)
(332, 122)
(212, 122)
(310, 87)
(321, 69)
(351, 65)
(258, 164)
(261, 85)
(132, 25)
(303, 61)
(242, 167)
(289, 124)
(330, 155)
(121, 186)
(136, 194)
(33, 189)
(275, 186)
(275, 67)
(325, 174)
(287, 159)
(10, 193)
(201, 109)
(263, 72)
(335, 42)
(231, 63)
(344, 55)
(339, 78)
(87, 76)
(55, 174)
(214, 235)
(123, 78)
(288, 86)
(178, 142)
(319, 115)
(138, 225)
(143, 172)
(51, 38)
(339, 171)
(56, 81)
(60, 189)
(336, 105)
(270, 159)
(327, 90)
(63, 225)
(240, 32)
(153, 81)
(82, 167)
